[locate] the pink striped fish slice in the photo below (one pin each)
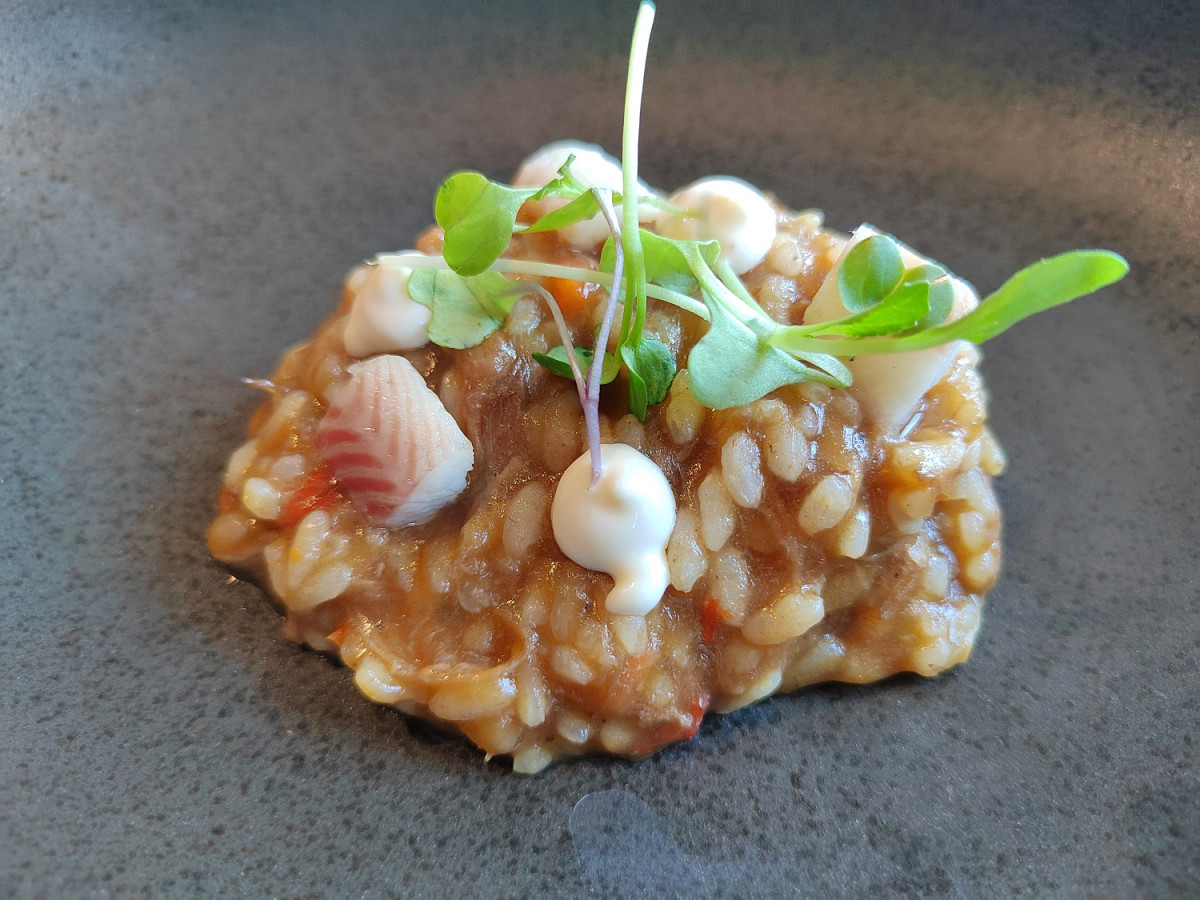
(394, 448)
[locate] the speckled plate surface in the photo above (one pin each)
(182, 187)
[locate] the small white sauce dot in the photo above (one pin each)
(728, 211)
(383, 318)
(620, 526)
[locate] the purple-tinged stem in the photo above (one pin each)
(564, 335)
(592, 403)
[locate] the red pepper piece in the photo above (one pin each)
(318, 490)
(697, 710)
(711, 617)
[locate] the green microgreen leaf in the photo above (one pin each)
(465, 310)
(582, 207)
(565, 185)
(1041, 286)
(941, 291)
(478, 216)
(651, 371)
(556, 361)
(870, 271)
(667, 263)
(666, 260)
(903, 309)
(731, 366)
(833, 371)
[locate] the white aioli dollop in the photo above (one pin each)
(889, 386)
(594, 169)
(621, 526)
(383, 318)
(728, 211)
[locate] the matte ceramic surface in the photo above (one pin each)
(182, 187)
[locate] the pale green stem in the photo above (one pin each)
(548, 270)
(631, 235)
(591, 397)
(745, 312)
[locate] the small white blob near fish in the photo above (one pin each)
(383, 318)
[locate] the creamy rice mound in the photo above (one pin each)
(808, 546)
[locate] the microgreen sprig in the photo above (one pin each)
(744, 354)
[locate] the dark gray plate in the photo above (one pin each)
(181, 191)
